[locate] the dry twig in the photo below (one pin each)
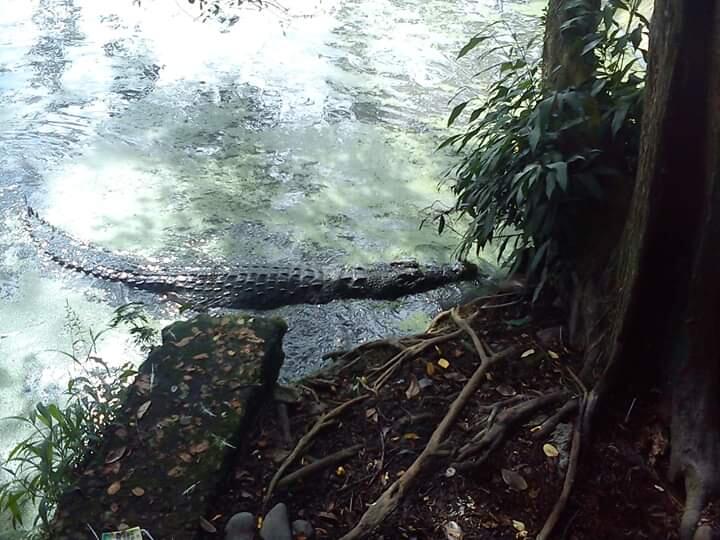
(388, 501)
(303, 443)
(557, 510)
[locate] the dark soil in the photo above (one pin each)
(619, 492)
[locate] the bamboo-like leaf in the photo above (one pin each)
(470, 45)
(459, 108)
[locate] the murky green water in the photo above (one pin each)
(307, 137)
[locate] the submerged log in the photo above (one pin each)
(180, 427)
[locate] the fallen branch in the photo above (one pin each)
(320, 464)
(390, 367)
(551, 423)
(390, 498)
(304, 441)
(492, 437)
(557, 510)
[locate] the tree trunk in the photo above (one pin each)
(563, 64)
(668, 300)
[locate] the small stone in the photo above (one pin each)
(302, 529)
(276, 525)
(240, 527)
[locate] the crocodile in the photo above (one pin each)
(252, 287)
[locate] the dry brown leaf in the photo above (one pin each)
(176, 471)
(184, 456)
(200, 447)
(138, 491)
(201, 356)
(414, 388)
(518, 525)
(514, 480)
(183, 342)
(527, 353)
(411, 436)
(429, 369)
(143, 409)
(553, 355)
(115, 455)
(443, 363)
(114, 488)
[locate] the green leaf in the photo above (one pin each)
(549, 184)
(534, 137)
(560, 168)
(619, 117)
(456, 112)
(470, 45)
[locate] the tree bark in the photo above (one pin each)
(563, 64)
(668, 294)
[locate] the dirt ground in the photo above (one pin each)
(499, 471)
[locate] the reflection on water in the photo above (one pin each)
(303, 139)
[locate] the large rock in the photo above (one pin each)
(172, 443)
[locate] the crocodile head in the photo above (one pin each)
(406, 277)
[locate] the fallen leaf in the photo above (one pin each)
(340, 471)
(372, 415)
(527, 353)
(450, 472)
(200, 447)
(114, 488)
(453, 531)
(176, 471)
(550, 450)
(207, 526)
(143, 409)
(411, 436)
(505, 390)
(429, 369)
(201, 356)
(138, 491)
(115, 455)
(414, 388)
(443, 363)
(514, 480)
(518, 525)
(183, 342)
(553, 355)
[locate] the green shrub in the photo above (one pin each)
(42, 466)
(537, 163)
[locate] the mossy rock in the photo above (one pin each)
(185, 415)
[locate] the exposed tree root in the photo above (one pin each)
(551, 423)
(554, 516)
(388, 501)
(303, 443)
(319, 465)
(491, 437)
(391, 366)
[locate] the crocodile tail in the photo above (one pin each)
(75, 254)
